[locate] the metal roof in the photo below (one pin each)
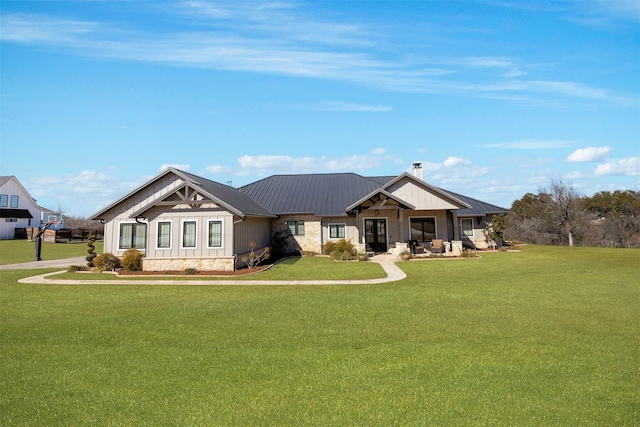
(478, 207)
(317, 194)
(230, 197)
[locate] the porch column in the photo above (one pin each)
(401, 225)
(456, 225)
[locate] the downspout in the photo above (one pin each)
(321, 235)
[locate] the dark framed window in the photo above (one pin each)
(189, 234)
(295, 228)
(467, 227)
(423, 229)
(337, 231)
(164, 234)
(132, 235)
(215, 234)
(15, 201)
(4, 200)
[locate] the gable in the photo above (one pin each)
(174, 189)
(421, 195)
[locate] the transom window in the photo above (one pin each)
(295, 228)
(423, 229)
(215, 233)
(467, 227)
(337, 231)
(132, 235)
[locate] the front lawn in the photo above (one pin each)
(18, 251)
(546, 336)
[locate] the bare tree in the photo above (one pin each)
(564, 210)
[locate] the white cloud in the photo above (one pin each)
(453, 173)
(183, 167)
(79, 193)
(218, 169)
(532, 144)
(283, 164)
(289, 39)
(629, 167)
(589, 154)
(455, 161)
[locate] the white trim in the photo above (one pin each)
(164, 221)
(146, 232)
(221, 221)
(473, 231)
(182, 222)
(343, 224)
(435, 224)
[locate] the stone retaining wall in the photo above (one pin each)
(179, 264)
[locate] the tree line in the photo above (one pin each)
(559, 215)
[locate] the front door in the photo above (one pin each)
(376, 234)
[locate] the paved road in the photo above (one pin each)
(387, 262)
(54, 263)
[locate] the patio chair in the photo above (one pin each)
(437, 246)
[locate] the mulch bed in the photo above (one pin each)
(241, 272)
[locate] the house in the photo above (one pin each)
(180, 220)
(19, 211)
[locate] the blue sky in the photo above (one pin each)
(495, 98)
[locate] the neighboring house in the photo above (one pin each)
(18, 210)
(180, 220)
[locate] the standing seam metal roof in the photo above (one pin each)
(317, 194)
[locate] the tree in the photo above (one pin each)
(564, 209)
(494, 230)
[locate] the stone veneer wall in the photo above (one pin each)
(179, 264)
(311, 241)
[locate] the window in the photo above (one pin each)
(423, 229)
(215, 233)
(14, 201)
(4, 200)
(189, 234)
(337, 231)
(467, 227)
(132, 235)
(295, 228)
(11, 220)
(164, 234)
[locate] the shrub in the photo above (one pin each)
(132, 260)
(341, 246)
(107, 261)
(190, 271)
(336, 254)
(74, 268)
(91, 251)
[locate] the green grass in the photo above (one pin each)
(547, 336)
(295, 268)
(17, 251)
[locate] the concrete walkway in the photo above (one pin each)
(387, 262)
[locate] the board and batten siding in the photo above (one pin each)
(202, 249)
(121, 212)
(249, 230)
(421, 197)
